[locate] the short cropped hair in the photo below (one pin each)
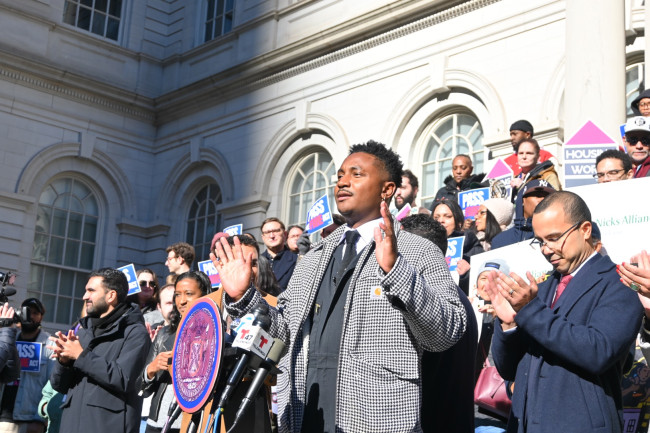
(244, 240)
(112, 279)
(413, 179)
(184, 250)
(462, 155)
(271, 220)
(425, 226)
(295, 226)
(575, 209)
(625, 159)
(390, 160)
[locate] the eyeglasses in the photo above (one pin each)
(633, 139)
(610, 173)
(542, 244)
(148, 283)
(274, 231)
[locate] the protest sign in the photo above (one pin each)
(404, 212)
(471, 200)
(454, 251)
(207, 267)
(499, 177)
(129, 272)
(580, 153)
(30, 355)
(234, 230)
(319, 215)
(622, 213)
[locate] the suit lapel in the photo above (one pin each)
(583, 281)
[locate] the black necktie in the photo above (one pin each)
(351, 238)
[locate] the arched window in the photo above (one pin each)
(64, 248)
(634, 85)
(444, 138)
(310, 179)
(203, 221)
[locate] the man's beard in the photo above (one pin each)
(96, 309)
(29, 327)
(406, 200)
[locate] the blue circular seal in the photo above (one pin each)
(197, 354)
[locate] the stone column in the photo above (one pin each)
(595, 66)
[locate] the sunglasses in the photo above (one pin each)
(148, 283)
(634, 140)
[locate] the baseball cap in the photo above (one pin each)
(639, 123)
(34, 303)
(537, 185)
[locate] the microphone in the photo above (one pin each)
(260, 376)
(253, 339)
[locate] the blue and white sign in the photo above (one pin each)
(454, 252)
(471, 200)
(129, 272)
(319, 215)
(30, 355)
(234, 230)
(207, 267)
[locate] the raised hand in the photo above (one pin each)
(386, 243)
(235, 268)
(502, 307)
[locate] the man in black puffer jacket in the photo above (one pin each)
(461, 179)
(100, 368)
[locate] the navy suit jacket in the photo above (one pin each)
(566, 361)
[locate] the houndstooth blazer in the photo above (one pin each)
(388, 320)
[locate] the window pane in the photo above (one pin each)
(90, 229)
(69, 13)
(87, 256)
(49, 302)
(88, 3)
(74, 226)
(83, 20)
(112, 29)
(101, 5)
(210, 9)
(99, 20)
(309, 182)
(50, 280)
(71, 253)
(56, 251)
(67, 283)
(115, 8)
(80, 285)
(58, 222)
(63, 310)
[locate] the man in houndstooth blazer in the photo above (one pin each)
(400, 300)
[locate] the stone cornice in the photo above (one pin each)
(265, 70)
(65, 84)
(262, 72)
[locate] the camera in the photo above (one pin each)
(20, 316)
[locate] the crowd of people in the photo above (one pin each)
(379, 337)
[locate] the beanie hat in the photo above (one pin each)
(522, 125)
(501, 209)
(494, 265)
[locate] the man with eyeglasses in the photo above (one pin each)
(613, 165)
(180, 257)
(282, 260)
(637, 142)
(564, 343)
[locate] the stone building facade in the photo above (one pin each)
(127, 125)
